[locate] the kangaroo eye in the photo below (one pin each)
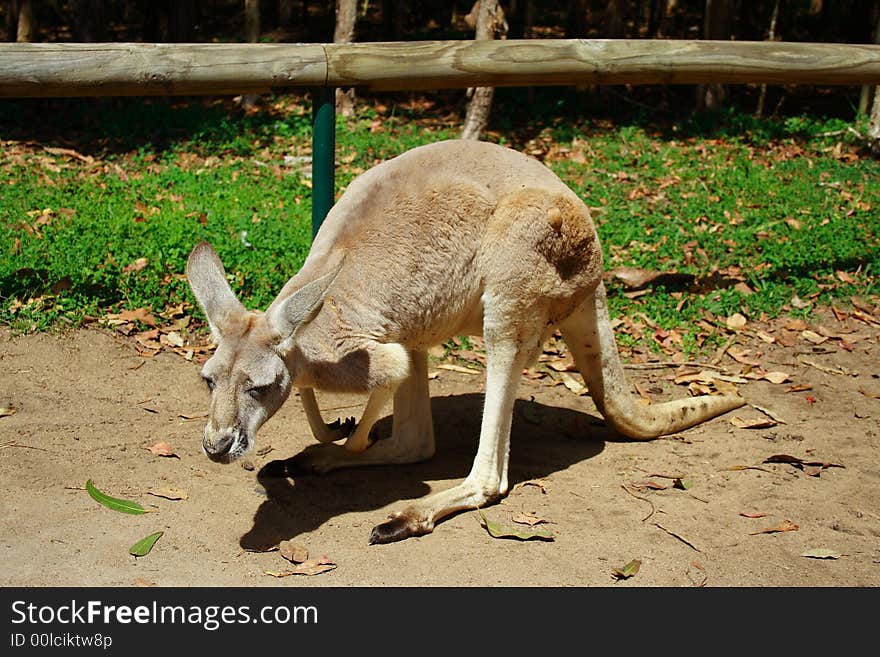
(208, 382)
(258, 391)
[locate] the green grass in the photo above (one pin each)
(788, 212)
(789, 203)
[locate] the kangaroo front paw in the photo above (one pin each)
(316, 459)
(339, 429)
(400, 526)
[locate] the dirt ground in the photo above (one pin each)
(88, 406)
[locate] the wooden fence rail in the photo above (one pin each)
(126, 69)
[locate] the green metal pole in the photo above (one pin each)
(323, 154)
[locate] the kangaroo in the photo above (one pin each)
(454, 238)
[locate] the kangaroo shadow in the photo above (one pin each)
(544, 439)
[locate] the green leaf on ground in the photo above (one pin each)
(627, 571)
(497, 530)
(533, 412)
(142, 547)
(123, 506)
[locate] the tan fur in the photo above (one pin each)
(459, 237)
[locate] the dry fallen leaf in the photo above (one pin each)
(873, 394)
(497, 530)
(174, 339)
(572, 384)
(725, 388)
(752, 515)
(293, 552)
(769, 413)
(538, 483)
(308, 568)
(647, 484)
(742, 356)
(459, 369)
(162, 448)
(736, 468)
(192, 416)
(822, 368)
(812, 336)
(169, 493)
(821, 553)
(736, 321)
(784, 526)
(138, 314)
(812, 468)
(561, 363)
(776, 377)
(529, 519)
(760, 423)
(797, 302)
(706, 377)
(135, 266)
(6, 411)
(769, 339)
(635, 278)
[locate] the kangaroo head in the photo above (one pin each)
(247, 376)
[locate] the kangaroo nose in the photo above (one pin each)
(218, 449)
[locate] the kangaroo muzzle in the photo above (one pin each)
(223, 446)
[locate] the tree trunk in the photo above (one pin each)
(657, 19)
(490, 24)
(182, 20)
(874, 125)
(576, 22)
(867, 90)
(251, 21)
(528, 18)
(251, 35)
(346, 21)
(152, 26)
(771, 36)
(11, 20)
(520, 18)
(393, 17)
(88, 21)
(285, 12)
(615, 19)
(718, 26)
(27, 22)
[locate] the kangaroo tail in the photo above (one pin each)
(588, 334)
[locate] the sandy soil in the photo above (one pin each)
(88, 406)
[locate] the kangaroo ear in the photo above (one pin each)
(301, 306)
(207, 279)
